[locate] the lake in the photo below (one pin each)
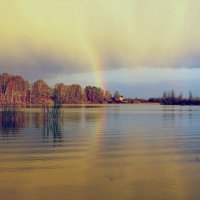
(111, 152)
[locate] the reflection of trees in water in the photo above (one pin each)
(53, 130)
(50, 127)
(38, 120)
(92, 116)
(52, 118)
(168, 116)
(73, 117)
(177, 113)
(168, 113)
(77, 114)
(11, 122)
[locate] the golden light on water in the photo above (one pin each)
(94, 164)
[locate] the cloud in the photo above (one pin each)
(34, 63)
(45, 38)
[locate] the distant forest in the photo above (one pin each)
(170, 98)
(16, 90)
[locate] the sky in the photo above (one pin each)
(139, 47)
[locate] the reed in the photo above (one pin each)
(52, 118)
(52, 113)
(9, 116)
(197, 159)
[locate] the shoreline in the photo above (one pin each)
(80, 104)
(38, 107)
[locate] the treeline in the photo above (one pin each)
(171, 98)
(16, 90)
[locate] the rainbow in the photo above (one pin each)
(99, 75)
(97, 67)
(98, 71)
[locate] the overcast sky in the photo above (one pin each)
(140, 47)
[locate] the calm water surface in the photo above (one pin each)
(113, 152)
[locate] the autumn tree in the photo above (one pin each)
(60, 93)
(13, 89)
(75, 94)
(108, 96)
(94, 94)
(41, 92)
